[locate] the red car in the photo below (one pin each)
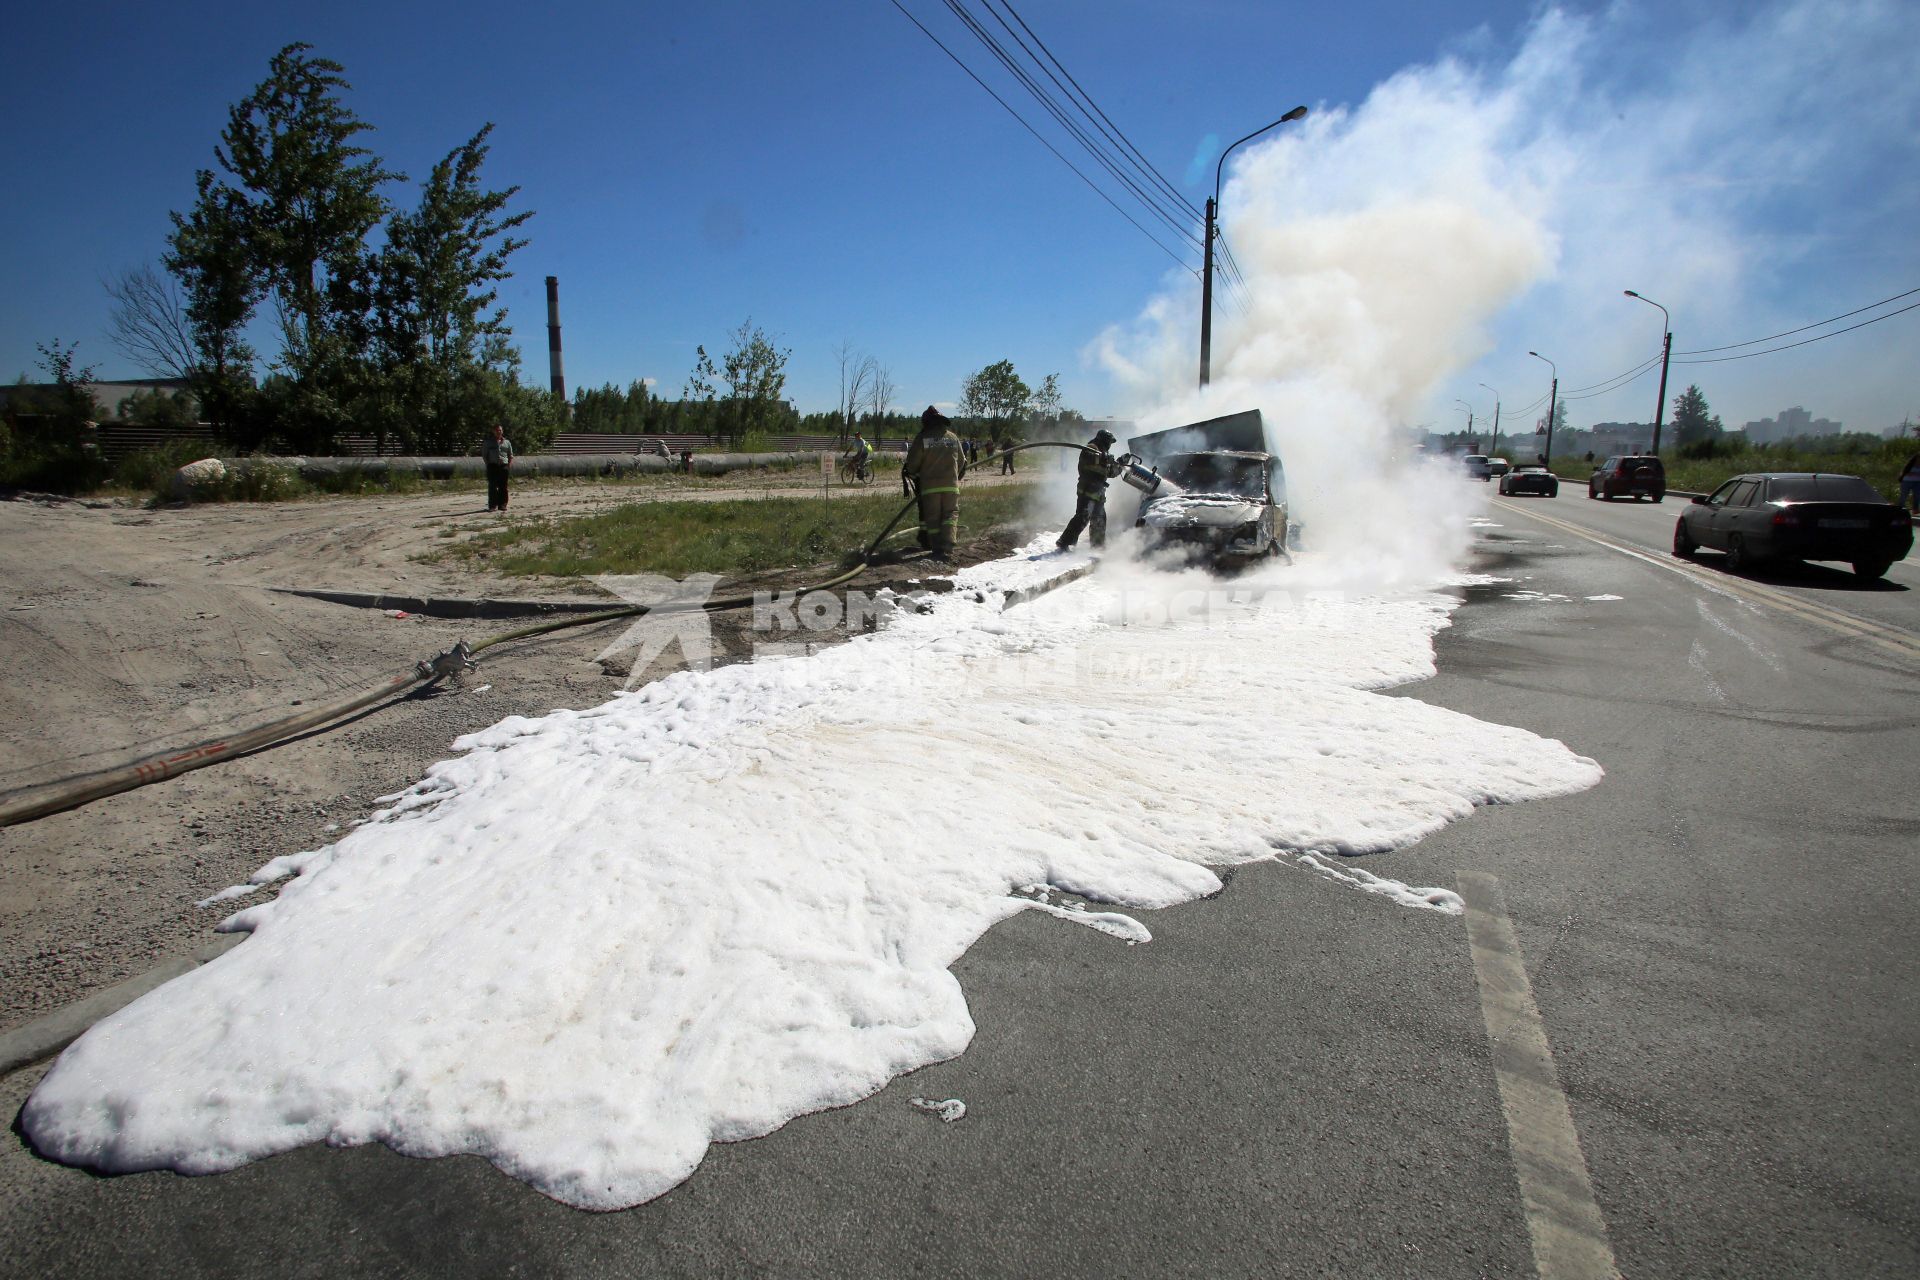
(1632, 474)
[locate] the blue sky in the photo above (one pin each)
(827, 171)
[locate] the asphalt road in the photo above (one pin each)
(1295, 1078)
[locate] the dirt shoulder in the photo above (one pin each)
(130, 630)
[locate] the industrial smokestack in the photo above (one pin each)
(558, 375)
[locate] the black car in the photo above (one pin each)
(1530, 480)
(1797, 516)
(1630, 473)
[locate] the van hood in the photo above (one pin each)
(1200, 510)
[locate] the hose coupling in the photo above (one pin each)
(455, 661)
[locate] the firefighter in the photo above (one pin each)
(1097, 466)
(936, 460)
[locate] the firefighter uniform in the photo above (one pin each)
(1090, 495)
(936, 461)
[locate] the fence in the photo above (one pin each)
(119, 439)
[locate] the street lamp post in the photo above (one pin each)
(1213, 212)
(1469, 408)
(1496, 421)
(1666, 354)
(1553, 406)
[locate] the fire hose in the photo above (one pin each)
(82, 789)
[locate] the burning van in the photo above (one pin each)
(1211, 488)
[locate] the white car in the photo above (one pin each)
(1477, 466)
(1497, 467)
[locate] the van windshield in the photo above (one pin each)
(1242, 475)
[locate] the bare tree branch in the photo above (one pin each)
(150, 325)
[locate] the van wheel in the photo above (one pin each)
(1590, 493)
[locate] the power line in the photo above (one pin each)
(1703, 351)
(1053, 107)
(1036, 133)
(1806, 341)
(1144, 164)
(1624, 380)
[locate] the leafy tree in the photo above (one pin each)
(1691, 421)
(755, 373)
(996, 397)
(1559, 420)
(438, 339)
(72, 404)
(207, 254)
(156, 408)
(1046, 405)
(308, 192)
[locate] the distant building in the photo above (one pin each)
(1791, 423)
(106, 395)
(1606, 439)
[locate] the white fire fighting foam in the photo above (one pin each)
(599, 940)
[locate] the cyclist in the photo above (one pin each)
(860, 454)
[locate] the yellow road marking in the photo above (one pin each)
(1569, 1235)
(1822, 615)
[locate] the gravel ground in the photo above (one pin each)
(129, 630)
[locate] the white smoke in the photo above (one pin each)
(1465, 210)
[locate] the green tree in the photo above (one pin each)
(309, 194)
(207, 252)
(72, 405)
(1046, 405)
(755, 373)
(439, 340)
(156, 408)
(998, 399)
(1692, 422)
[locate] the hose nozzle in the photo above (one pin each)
(455, 661)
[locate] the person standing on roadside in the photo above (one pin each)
(1006, 457)
(1910, 484)
(498, 455)
(936, 462)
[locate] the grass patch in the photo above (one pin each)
(727, 537)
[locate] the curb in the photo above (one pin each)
(450, 606)
(45, 1036)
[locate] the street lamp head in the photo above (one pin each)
(1630, 293)
(1298, 113)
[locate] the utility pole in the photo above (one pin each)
(1213, 215)
(1496, 420)
(1206, 297)
(1666, 354)
(1659, 410)
(1553, 407)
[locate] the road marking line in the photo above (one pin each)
(1569, 1235)
(1846, 624)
